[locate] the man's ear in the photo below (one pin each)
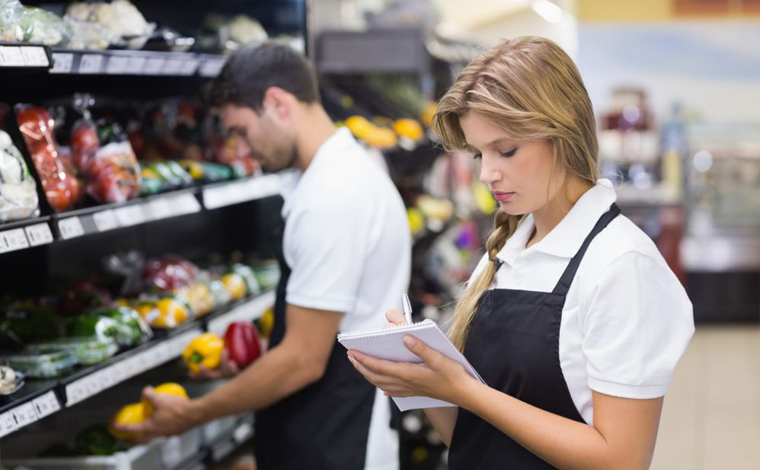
(278, 101)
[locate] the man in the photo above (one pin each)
(346, 259)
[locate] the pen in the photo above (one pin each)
(407, 308)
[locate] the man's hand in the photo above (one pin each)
(173, 415)
(227, 369)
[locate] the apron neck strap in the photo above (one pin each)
(563, 286)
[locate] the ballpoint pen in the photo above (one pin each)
(407, 308)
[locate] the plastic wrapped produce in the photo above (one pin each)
(62, 189)
(169, 274)
(42, 365)
(126, 24)
(27, 24)
(18, 191)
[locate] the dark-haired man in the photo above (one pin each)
(346, 259)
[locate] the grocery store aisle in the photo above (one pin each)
(711, 419)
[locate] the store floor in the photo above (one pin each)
(711, 418)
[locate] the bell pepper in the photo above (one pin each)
(204, 350)
(129, 414)
(242, 342)
(168, 388)
(167, 312)
(235, 285)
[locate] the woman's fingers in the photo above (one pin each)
(395, 317)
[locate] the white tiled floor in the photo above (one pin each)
(711, 418)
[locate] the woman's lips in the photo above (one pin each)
(502, 197)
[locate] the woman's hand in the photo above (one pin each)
(395, 318)
(436, 376)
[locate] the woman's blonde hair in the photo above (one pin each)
(532, 90)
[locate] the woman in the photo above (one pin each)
(572, 317)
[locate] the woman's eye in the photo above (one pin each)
(508, 153)
(477, 156)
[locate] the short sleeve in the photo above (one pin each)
(638, 322)
(325, 247)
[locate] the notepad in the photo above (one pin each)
(388, 344)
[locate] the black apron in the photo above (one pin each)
(324, 426)
(514, 344)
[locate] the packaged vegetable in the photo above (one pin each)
(133, 329)
(205, 350)
(42, 365)
(23, 323)
(86, 326)
(9, 380)
(18, 190)
(62, 189)
(235, 285)
(249, 277)
(242, 342)
(167, 312)
(87, 350)
(128, 27)
(168, 274)
(200, 298)
(81, 296)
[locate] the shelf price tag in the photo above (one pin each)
(136, 65)
(160, 209)
(39, 234)
(130, 215)
(154, 66)
(25, 415)
(117, 65)
(189, 67)
(11, 56)
(70, 228)
(172, 67)
(105, 220)
(186, 204)
(212, 67)
(7, 424)
(34, 56)
(15, 240)
(46, 405)
(62, 62)
(90, 63)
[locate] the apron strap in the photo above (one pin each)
(563, 286)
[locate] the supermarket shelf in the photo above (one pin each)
(39, 399)
(144, 63)
(37, 231)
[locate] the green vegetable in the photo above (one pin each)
(89, 326)
(96, 440)
(132, 329)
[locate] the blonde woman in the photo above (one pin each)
(572, 317)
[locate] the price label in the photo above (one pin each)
(46, 405)
(25, 415)
(160, 209)
(172, 67)
(34, 56)
(13, 240)
(74, 393)
(62, 62)
(186, 204)
(39, 234)
(105, 220)
(90, 63)
(117, 65)
(136, 65)
(154, 66)
(130, 215)
(11, 56)
(70, 228)
(212, 67)
(189, 67)
(7, 424)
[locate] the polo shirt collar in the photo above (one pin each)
(295, 180)
(567, 237)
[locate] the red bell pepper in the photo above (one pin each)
(242, 342)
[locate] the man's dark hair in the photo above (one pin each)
(255, 68)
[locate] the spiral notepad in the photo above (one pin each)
(388, 344)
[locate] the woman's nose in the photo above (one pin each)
(489, 174)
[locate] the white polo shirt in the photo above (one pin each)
(626, 320)
(348, 244)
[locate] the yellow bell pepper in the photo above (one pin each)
(164, 313)
(204, 350)
(129, 414)
(235, 285)
(409, 128)
(266, 322)
(168, 388)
